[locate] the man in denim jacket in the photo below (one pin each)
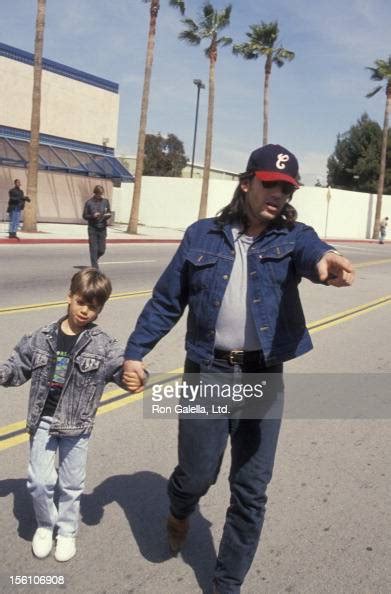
(239, 275)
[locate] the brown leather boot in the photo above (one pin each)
(176, 532)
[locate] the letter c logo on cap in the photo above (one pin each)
(281, 159)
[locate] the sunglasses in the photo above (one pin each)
(286, 187)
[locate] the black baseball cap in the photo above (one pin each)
(273, 162)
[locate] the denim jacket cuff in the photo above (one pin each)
(133, 353)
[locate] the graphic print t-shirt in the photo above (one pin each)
(65, 344)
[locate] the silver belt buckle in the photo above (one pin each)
(232, 354)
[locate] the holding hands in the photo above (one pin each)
(134, 376)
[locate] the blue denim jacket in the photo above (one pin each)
(96, 359)
(198, 275)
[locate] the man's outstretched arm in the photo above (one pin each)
(334, 269)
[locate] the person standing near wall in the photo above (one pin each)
(383, 229)
(16, 203)
(97, 212)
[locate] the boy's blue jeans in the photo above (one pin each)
(42, 478)
(201, 445)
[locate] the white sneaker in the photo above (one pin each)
(42, 542)
(65, 548)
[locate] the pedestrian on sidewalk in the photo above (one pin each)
(383, 229)
(69, 362)
(16, 204)
(239, 274)
(97, 212)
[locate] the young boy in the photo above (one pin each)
(69, 363)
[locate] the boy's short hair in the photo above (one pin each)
(92, 285)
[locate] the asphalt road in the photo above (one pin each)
(326, 528)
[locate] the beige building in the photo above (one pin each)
(198, 170)
(79, 120)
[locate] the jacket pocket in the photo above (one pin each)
(39, 367)
(276, 263)
(89, 404)
(40, 359)
(87, 363)
(88, 368)
(201, 270)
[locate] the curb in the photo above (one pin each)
(25, 241)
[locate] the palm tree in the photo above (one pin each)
(262, 42)
(154, 10)
(382, 72)
(208, 27)
(30, 213)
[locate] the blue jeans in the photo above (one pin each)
(42, 478)
(97, 241)
(14, 220)
(201, 445)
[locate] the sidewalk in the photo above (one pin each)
(72, 233)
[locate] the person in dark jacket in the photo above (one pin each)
(16, 204)
(238, 273)
(97, 212)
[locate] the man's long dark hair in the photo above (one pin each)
(235, 211)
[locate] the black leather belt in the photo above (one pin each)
(238, 357)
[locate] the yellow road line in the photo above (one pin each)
(51, 304)
(13, 427)
(22, 438)
(372, 263)
(313, 327)
(347, 314)
(13, 441)
(131, 294)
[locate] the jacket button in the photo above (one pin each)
(262, 328)
(216, 303)
(225, 277)
(260, 257)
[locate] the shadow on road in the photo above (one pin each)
(23, 507)
(143, 498)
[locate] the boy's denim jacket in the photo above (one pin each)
(198, 275)
(95, 360)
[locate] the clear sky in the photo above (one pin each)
(312, 99)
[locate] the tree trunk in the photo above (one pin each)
(268, 69)
(209, 136)
(134, 213)
(30, 212)
(380, 187)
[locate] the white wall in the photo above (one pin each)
(69, 108)
(174, 203)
